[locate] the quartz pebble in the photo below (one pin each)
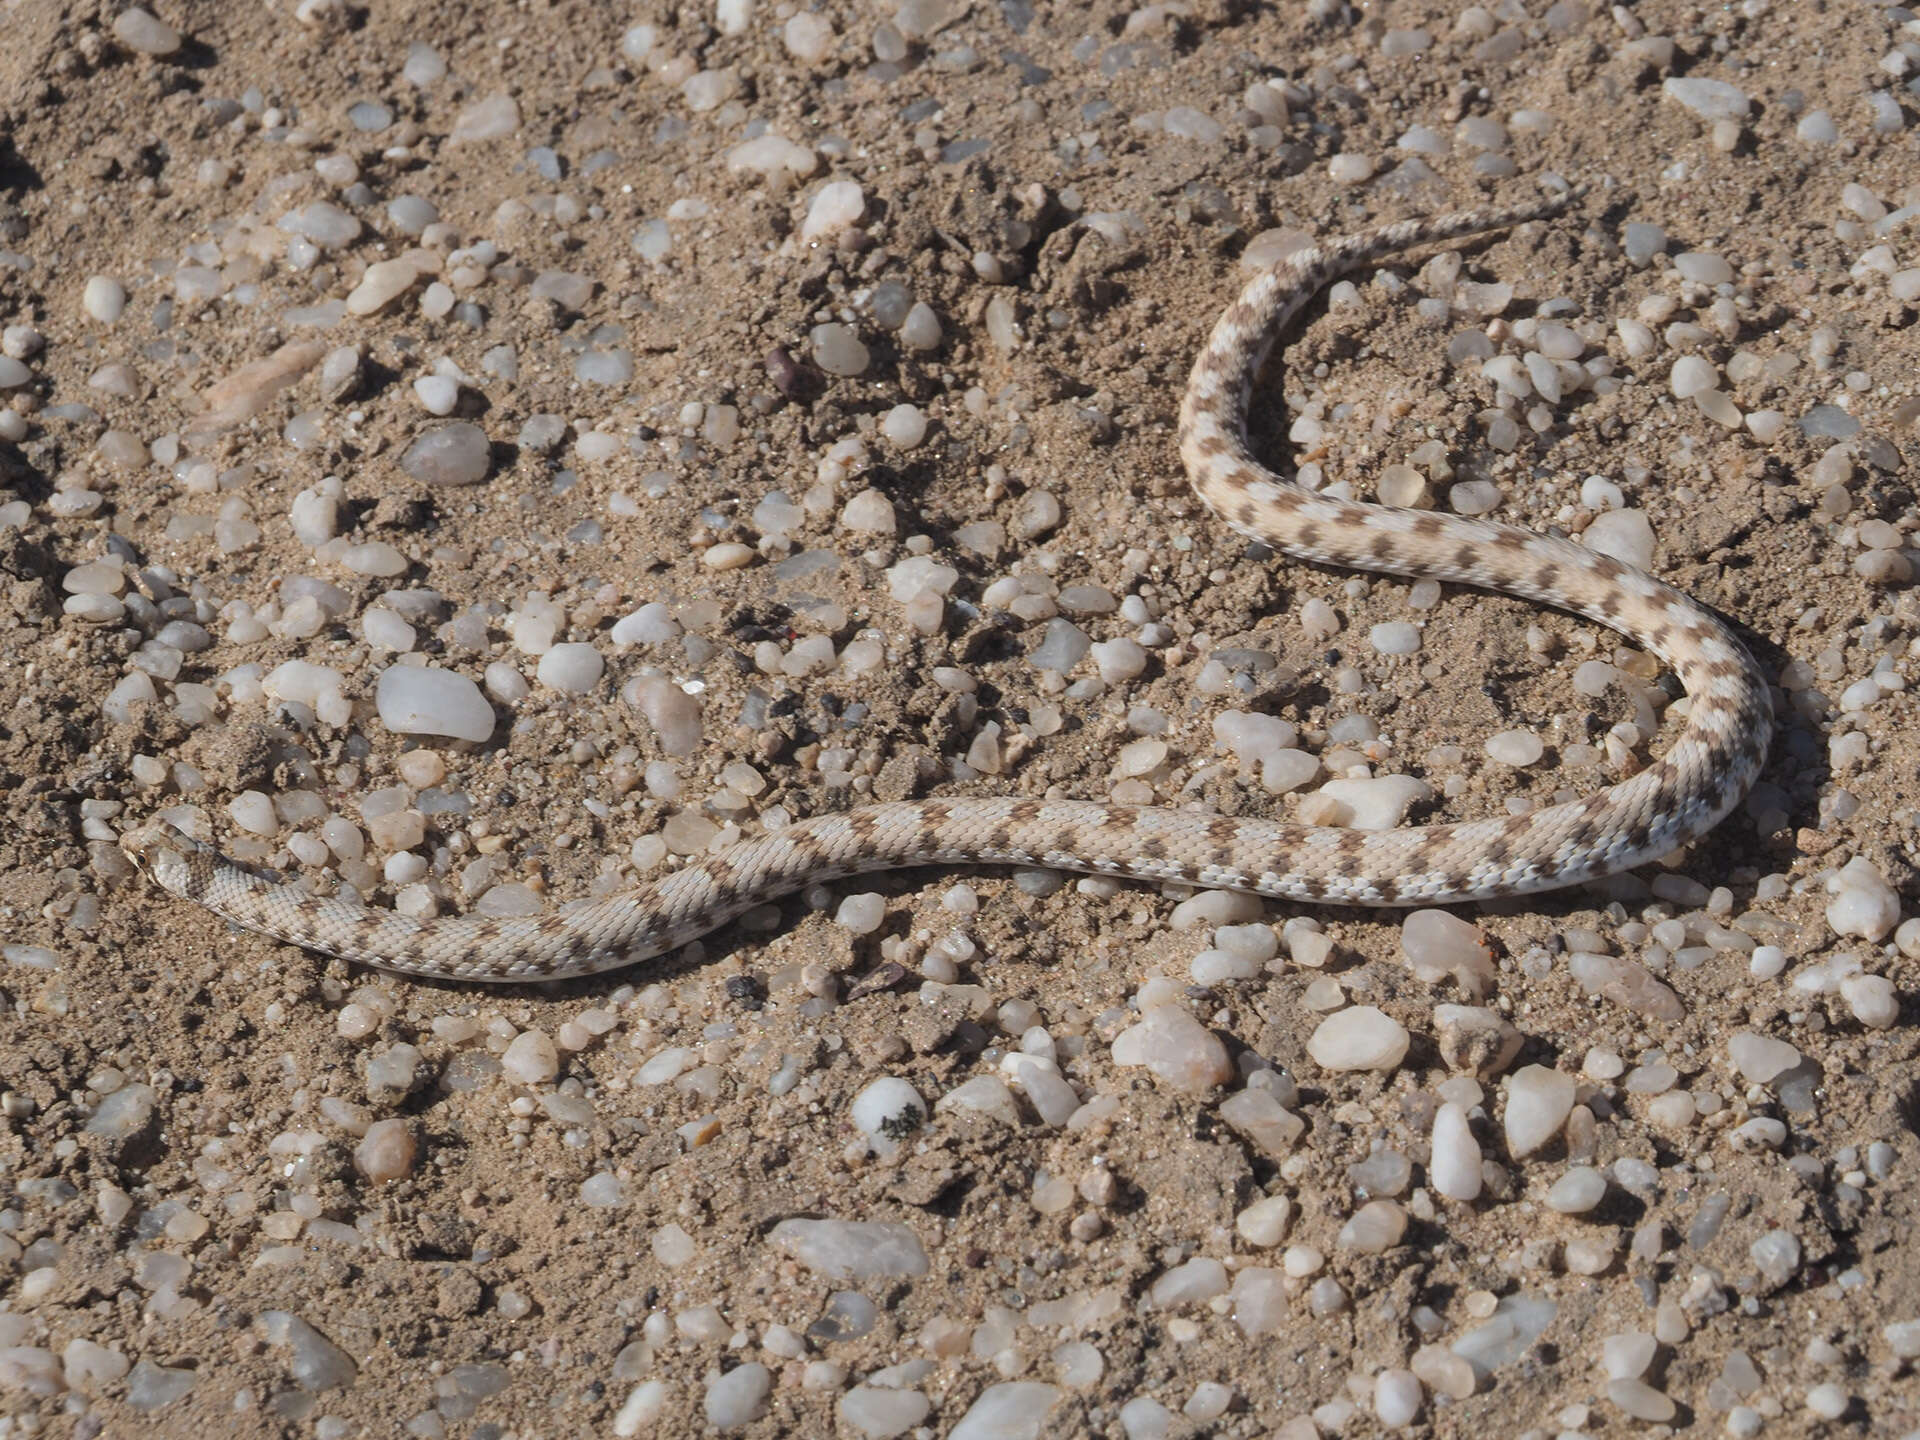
(887, 1111)
(851, 1249)
(1760, 1058)
(1016, 1410)
(1455, 1166)
(455, 454)
(1578, 1191)
(739, 1397)
(1538, 1103)
(387, 1152)
(140, 30)
(316, 1362)
(1177, 1048)
(572, 668)
(1440, 945)
(878, 1413)
(1359, 1038)
(531, 1058)
(421, 700)
(1863, 904)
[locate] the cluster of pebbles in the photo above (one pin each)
(453, 537)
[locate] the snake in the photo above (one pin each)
(1661, 807)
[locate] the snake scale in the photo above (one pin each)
(1670, 802)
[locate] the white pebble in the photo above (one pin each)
(1538, 1103)
(572, 668)
(1395, 637)
(438, 395)
(142, 31)
(1626, 535)
(1455, 1166)
(838, 205)
(1517, 748)
(1176, 1048)
(739, 1397)
(103, 298)
(1872, 999)
(863, 913)
(1760, 1058)
(418, 700)
(904, 426)
(1577, 1191)
(1863, 904)
(887, 1110)
(1360, 1038)
(531, 1058)
(1396, 1397)
(1691, 375)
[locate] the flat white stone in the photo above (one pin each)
(419, 700)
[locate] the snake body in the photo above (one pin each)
(1672, 801)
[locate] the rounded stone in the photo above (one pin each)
(456, 454)
(418, 700)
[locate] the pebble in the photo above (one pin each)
(1538, 1103)
(838, 351)
(1263, 1120)
(494, 117)
(1455, 1165)
(877, 1413)
(1260, 1303)
(1016, 1410)
(571, 668)
(456, 454)
(904, 426)
(421, 700)
(887, 1111)
(142, 31)
(154, 1387)
(1439, 945)
(1378, 803)
(739, 1397)
(1397, 1397)
(1760, 1059)
(125, 1113)
(1578, 1191)
(103, 298)
(1375, 1228)
(1709, 99)
(383, 282)
(1640, 1400)
(1198, 1280)
(1626, 535)
(387, 1152)
(1359, 1038)
(1864, 904)
(1265, 1222)
(1177, 1049)
(316, 1362)
(531, 1058)
(869, 512)
(852, 1249)
(438, 395)
(837, 205)
(1475, 1039)
(1872, 999)
(1394, 637)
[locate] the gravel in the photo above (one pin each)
(830, 379)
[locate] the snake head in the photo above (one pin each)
(163, 850)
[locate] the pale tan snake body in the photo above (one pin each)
(1672, 801)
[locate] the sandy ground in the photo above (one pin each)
(1030, 174)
